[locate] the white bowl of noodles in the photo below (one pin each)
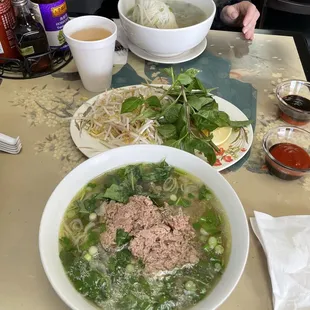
(80, 182)
(194, 19)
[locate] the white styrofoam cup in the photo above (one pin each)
(94, 59)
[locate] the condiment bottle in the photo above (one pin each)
(52, 14)
(7, 23)
(30, 36)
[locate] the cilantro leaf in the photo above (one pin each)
(122, 237)
(156, 173)
(205, 193)
(117, 193)
(93, 238)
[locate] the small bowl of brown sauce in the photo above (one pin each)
(287, 152)
(294, 102)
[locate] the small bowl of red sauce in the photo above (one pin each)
(287, 152)
(294, 102)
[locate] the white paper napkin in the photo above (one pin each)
(286, 242)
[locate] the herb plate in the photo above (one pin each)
(233, 150)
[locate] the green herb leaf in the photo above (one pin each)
(192, 72)
(66, 244)
(172, 143)
(184, 79)
(67, 258)
(117, 193)
(195, 85)
(88, 282)
(150, 114)
(195, 102)
(196, 226)
(211, 120)
(188, 145)
(209, 90)
(90, 204)
(131, 104)
(122, 237)
(153, 101)
(171, 114)
(93, 238)
(182, 202)
(133, 175)
(212, 218)
(169, 72)
(102, 228)
(91, 185)
(156, 173)
(205, 193)
(210, 104)
(123, 257)
(204, 148)
(167, 131)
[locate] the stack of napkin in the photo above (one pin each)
(286, 242)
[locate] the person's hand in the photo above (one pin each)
(243, 14)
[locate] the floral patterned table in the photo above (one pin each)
(39, 111)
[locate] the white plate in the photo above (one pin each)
(231, 152)
(186, 56)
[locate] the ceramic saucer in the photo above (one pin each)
(186, 56)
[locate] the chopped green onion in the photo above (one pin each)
(91, 185)
(217, 267)
(203, 232)
(212, 242)
(219, 249)
(202, 219)
(207, 248)
(130, 268)
(93, 250)
(71, 214)
(87, 256)
(92, 217)
(190, 286)
(173, 197)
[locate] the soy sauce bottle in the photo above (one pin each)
(31, 38)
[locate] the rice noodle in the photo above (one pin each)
(171, 185)
(76, 225)
(154, 13)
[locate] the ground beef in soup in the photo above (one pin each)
(162, 242)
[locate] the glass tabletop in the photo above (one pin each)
(39, 111)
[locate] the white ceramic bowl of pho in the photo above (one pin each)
(179, 238)
(194, 19)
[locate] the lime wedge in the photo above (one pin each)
(221, 135)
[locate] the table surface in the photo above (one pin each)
(39, 110)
